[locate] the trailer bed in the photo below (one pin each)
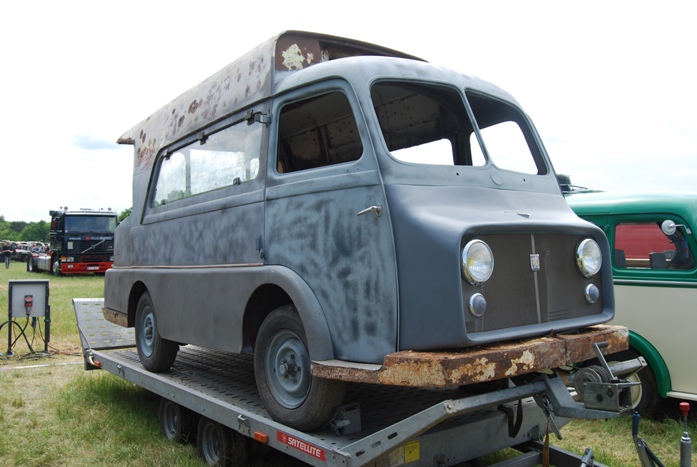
(380, 425)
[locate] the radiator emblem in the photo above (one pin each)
(535, 262)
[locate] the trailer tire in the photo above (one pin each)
(289, 392)
(155, 353)
(218, 445)
(177, 422)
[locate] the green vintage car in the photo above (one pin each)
(653, 265)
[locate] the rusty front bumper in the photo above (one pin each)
(481, 364)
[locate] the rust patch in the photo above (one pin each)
(487, 363)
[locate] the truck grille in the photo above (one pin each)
(516, 296)
(105, 248)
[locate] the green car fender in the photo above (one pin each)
(655, 361)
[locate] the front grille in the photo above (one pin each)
(92, 247)
(516, 296)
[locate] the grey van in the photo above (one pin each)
(327, 204)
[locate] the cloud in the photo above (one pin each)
(93, 143)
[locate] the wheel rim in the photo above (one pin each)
(288, 369)
(147, 334)
(170, 421)
(210, 444)
(636, 392)
(56, 267)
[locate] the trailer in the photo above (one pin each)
(210, 397)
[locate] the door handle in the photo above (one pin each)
(376, 208)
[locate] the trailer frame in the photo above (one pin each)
(379, 426)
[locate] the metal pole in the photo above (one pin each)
(685, 441)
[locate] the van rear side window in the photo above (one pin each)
(226, 158)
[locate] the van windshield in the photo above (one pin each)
(429, 124)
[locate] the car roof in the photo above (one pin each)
(614, 203)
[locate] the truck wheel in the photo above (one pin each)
(289, 392)
(56, 268)
(177, 422)
(30, 264)
(214, 442)
(156, 354)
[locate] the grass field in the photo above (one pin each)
(53, 413)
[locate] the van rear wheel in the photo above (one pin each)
(155, 353)
(289, 392)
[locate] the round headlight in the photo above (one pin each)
(588, 257)
(477, 262)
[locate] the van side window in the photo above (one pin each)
(228, 157)
(317, 132)
(642, 245)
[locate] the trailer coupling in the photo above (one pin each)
(554, 394)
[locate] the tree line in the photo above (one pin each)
(20, 231)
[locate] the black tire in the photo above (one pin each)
(56, 267)
(156, 354)
(30, 264)
(290, 394)
(218, 445)
(177, 422)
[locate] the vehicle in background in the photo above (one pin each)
(652, 237)
(21, 251)
(337, 208)
(81, 242)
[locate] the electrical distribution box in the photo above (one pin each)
(28, 298)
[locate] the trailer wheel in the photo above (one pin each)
(155, 353)
(289, 392)
(177, 422)
(214, 442)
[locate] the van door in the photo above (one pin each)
(326, 217)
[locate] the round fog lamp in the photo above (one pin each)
(592, 293)
(477, 305)
(477, 262)
(588, 257)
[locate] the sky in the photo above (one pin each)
(610, 86)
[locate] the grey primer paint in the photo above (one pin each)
(247, 191)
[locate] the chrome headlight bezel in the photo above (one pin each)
(589, 258)
(477, 262)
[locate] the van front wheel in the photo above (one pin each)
(289, 392)
(155, 353)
